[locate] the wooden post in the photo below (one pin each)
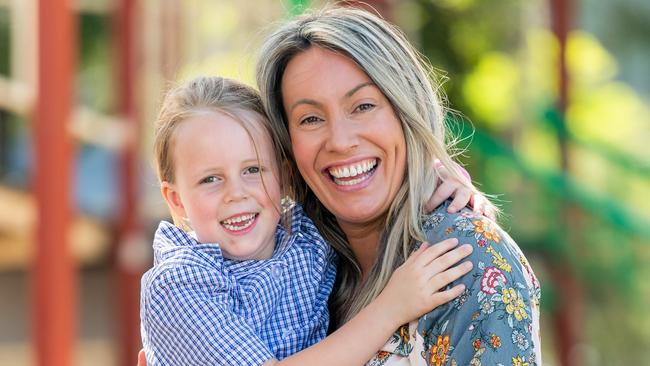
(570, 307)
(54, 276)
(128, 268)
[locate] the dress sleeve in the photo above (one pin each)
(496, 319)
(186, 321)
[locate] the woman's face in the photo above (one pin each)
(347, 140)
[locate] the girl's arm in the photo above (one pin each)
(463, 192)
(413, 290)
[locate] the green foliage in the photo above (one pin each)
(4, 41)
(592, 216)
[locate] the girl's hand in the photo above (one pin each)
(463, 195)
(414, 288)
(142, 361)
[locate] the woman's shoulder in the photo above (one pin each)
(495, 252)
(465, 225)
(499, 309)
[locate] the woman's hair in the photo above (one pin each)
(401, 73)
(210, 94)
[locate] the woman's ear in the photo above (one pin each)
(173, 199)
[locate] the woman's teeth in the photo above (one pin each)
(355, 173)
(354, 169)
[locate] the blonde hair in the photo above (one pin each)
(401, 73)
(216, 94)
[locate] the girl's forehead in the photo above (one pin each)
(250, 121)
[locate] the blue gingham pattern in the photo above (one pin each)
(198, 308)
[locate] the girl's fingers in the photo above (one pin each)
(443, 297)
(436, 250)
(448, 259)
(440, 194)
(417, 253)
(442, 170)
(443, 279)
(481, 206)
(461, 199)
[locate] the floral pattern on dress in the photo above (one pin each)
(495, 321)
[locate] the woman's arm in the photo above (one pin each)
(413, 290)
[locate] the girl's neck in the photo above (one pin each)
(364, 242)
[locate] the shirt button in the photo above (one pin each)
(276, 270)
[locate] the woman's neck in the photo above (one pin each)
(364, 242)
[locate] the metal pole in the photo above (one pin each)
(55, 279)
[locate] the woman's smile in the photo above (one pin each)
(353, 176)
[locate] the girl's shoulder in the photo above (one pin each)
(179, 260)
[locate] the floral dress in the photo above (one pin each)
(495, 321)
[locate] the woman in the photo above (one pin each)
(353, 106)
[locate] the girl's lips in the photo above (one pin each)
(240, 224)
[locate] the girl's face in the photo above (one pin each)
(218, 185)
(347, 140)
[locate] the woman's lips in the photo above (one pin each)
(353, 176)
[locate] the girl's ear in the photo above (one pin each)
(173, 199)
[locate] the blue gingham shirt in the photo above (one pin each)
(198, 308)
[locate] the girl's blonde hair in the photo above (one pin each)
(237, 100)
(400, 72)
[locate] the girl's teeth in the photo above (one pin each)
(239, 219)
(238, 228)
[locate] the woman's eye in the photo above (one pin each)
(365, 107)
(253, 170)
(310, 120)
(209, 179)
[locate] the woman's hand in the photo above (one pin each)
(415, 287)
(463, 193)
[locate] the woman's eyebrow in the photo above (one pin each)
(358, 87)
(303, 101)
(347, 95)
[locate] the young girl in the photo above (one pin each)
(241, 279)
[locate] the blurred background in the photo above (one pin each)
(552, 114)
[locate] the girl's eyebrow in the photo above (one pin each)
(253, 161)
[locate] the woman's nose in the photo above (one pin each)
(342, 135)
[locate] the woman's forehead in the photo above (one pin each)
(309, 70)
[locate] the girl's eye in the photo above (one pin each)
(209, 179)
(310, 120)
(253, 170)
(365, 107)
